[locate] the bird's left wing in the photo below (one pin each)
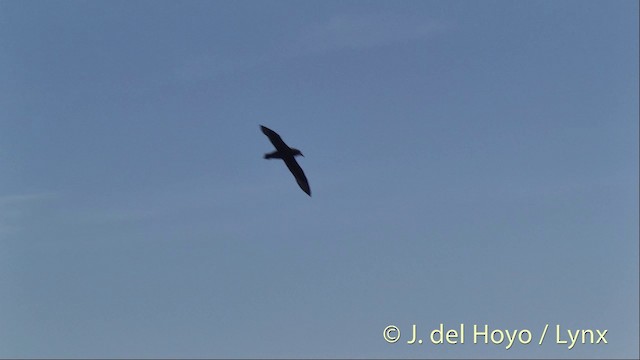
(297, 172)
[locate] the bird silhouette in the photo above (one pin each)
(288, 155)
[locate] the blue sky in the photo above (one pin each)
(470, 162)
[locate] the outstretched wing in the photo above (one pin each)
(297, 172)
(275, 139)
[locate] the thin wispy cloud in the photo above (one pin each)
(15, 207)
(360, 31)
(335, 33)
(210, 66)
(17, 199)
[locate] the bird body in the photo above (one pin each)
(288, 155)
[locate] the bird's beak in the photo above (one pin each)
(301, 154)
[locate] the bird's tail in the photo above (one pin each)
(273, 155)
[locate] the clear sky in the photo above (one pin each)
(471, 162)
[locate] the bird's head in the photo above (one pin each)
(297, 152)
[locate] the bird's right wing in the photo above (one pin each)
(275, 139)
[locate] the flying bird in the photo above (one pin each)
(287, 154)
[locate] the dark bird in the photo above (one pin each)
(287, 154)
